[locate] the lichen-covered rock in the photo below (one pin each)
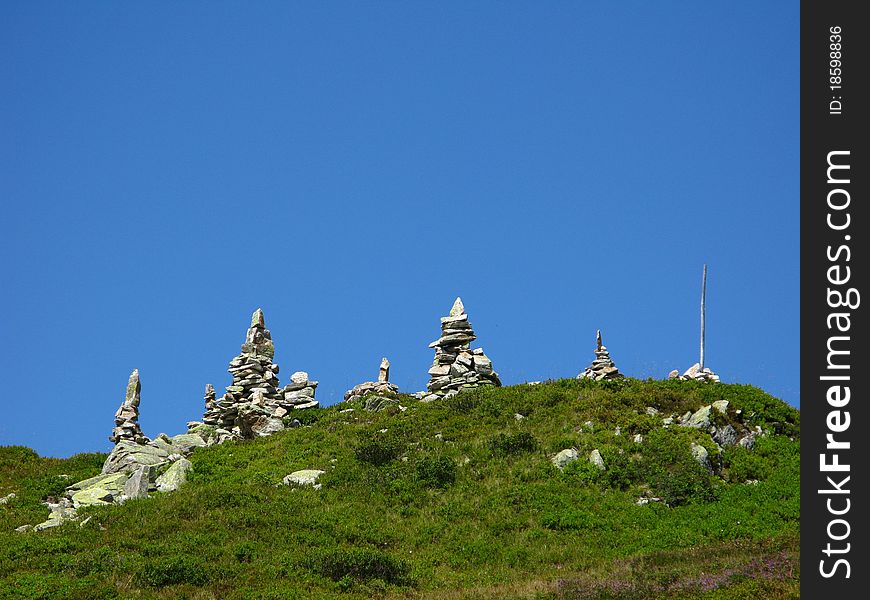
(174, 476)
(700, 419)
(93, 496)
(128, 456)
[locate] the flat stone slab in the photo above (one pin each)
(93, 496)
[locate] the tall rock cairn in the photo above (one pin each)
(255, 378)
(127, 418)
(456, 366)
(603, 366)
(381, 386)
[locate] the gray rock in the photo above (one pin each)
(564, 457)
(303, 477)
(312, 404)
(721, 406)
(651, 411)
(700, 454)
(5, 499)
(174, 476)
(23, 528)
(725, 436)
(269, 426)
(299, 377)
(138, 483)
(638, 438)
(107, 481)
(674, 374)
(596, 459)
(127, 456)
(747, 441)
(700, 419)
(93, 496)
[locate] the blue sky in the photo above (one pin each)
(167, 168)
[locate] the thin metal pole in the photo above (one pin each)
(703, 314)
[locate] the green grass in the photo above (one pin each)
(455, 499)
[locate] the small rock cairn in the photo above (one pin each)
(127, 417)
(456, 366)
(695, 373)
(603, 366)
(381, 386)
(254, 403)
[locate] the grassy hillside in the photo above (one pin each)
(452, 499)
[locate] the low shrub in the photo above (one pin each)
(505, 444)
(378, 451)
(162, 572)
(436, 472)
(360, 563)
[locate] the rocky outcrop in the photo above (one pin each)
(603, 366)
(456, 367)
(127, 417)
(374, 388)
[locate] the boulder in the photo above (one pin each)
(93, 496)
(700, 454)
(700, 419)
(174, 476)
(139, 482)
(564, 457)
(596, 459)
(303, 477)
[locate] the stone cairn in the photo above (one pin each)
(253, 403)
(695, 373)
(127, 418)
(381, 386)
(603, 366)
(456, 366)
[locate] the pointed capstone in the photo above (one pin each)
(258, 319)
(598, 340)
(384, 371)
(458, 308)
(133, 389)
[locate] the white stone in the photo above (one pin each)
(596, 459)
(721, 406)
(299, 377)
(564, 457)
(303, 477)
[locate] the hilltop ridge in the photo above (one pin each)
(448, 499)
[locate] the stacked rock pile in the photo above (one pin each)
(254, 403)
(381, 386)
(296, 395)
(255, 380)
(695, 373)
(603, 366)
(127, 417)
(456, 366)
